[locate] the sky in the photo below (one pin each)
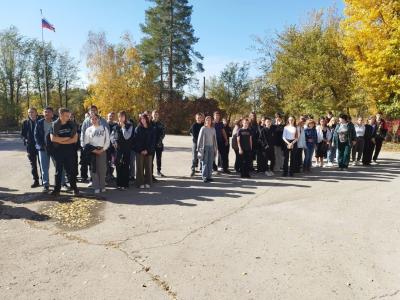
(226, 28)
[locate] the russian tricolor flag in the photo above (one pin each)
(46, 24)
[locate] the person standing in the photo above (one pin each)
(122, 141)
(311, 138)
(369, 141)
(228, 131)
(98, 137)
(144, 146)
(159, 130)
(207, 147)
(194, 132)
(110, 150)
(290, 137)
(85, 125)
(222, 140)
(279, 144)
(344, 138)
(28, 136)
(358, 148)
(381, 133)
(267, 140)
(245, 144)
(235, 147)
(301, 144)
(331, 155)
(43, 145)
(255, 136)
(324, 137)
(63, 135)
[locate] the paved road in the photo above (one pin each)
(327, 235)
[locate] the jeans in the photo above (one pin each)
(132, 164)
(44, 159)
(195, 158)
(332, 153)
(207, 162)
(344, 155)
(309, 150)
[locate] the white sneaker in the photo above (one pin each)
(374, 162)
(141, 187)
(220, 169)
(147, 186)
(97, 191)
(354, 163)
(90, 184)
(268, 173)
(103, 190)
(330, 165)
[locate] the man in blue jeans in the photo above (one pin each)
(43, 146)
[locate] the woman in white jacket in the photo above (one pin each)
(324, 135)
(98, 136)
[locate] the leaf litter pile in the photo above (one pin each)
(76, 214)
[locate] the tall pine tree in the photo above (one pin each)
(168, 44)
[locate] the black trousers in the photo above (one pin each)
(223, 156)
(261, 160)
(84, 167)
(378, 147)
(33, 159)
(298, 159)
(247, 161)
(238, 161)
(65, 159)
(290, 159)
(357, 149)
(110, 152)
(368, 151)
(158, 155)
(122, 162)
(270, 157)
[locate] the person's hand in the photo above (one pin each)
(240, 151)
(373, 140)
(144, 152)
(354, 143)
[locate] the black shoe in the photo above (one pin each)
(192, 173)
(83, 180)
(55, 193)
(35, 184)
(210, 179)
(154, 179)
(284, 174)
(75, 192)
(227, 172)
(45, 190)
(132, 178)
(291, 174)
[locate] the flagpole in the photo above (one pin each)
(44, 60)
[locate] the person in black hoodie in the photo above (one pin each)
(28, 136)
(111, 150)
(194, 132)
(159, 130)
(278, 142)
(369, 141)
(267, 141)
(255, 135)
(144, 146)
(122, 139)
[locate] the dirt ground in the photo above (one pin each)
(325, 235)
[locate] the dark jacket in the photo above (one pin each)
(123, 145)
(40, 138)
(145, 139)
(370, 132)
(28, 133)
(311, 134)
(278, 133)
(195, 130)
(351, 134)
(267, 138)
(159, 131)
(381, 130)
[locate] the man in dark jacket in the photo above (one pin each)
(194, 132)
(28, 136)
(159, 131)
(43, 147)
(267, 141)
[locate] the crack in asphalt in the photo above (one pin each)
(114, 245)
(386, 295)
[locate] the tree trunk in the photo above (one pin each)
(170, 67)
(27, 93)
(161, 75)
(60, 93)
(66, 93)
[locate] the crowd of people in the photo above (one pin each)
(117, 145)
(275, 145)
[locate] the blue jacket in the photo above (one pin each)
(311, 134)
(40, 138)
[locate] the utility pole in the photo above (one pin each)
(204, 87)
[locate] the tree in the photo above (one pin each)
(310, 71)
(168, 44)
(119, 82)
(231, 89)
(66, 71)
(372, 40)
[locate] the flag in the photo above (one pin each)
(46, 24)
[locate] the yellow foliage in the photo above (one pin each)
(372, 40)
(120, 82)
